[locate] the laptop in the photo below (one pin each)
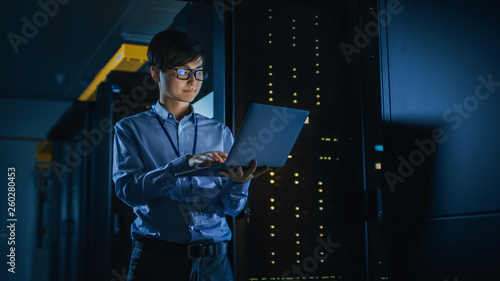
(267, 135)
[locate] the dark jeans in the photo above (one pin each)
(150, 265)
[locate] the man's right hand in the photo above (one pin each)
(206, 159)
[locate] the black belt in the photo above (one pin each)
(182, 250)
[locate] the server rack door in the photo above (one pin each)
(309, 218)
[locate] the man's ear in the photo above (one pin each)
(155, 73)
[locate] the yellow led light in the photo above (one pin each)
(297, 215)
(273, 253)
(271, 92)
(320, 200)
(320, 183)
(271, 181)
(317, 64)
(293, 37)
(335, 139)
(270, 84)
(297, 242)
(321, 235)
(272, 234)
(297, 208)
(297, 253)
(317, 54)
(289, 156)
(296, 182)
(273, 262)
(270, 34)
(294, 69)
(295, 94)
(270, 66)
(270, 10)
(317, 71)
(315, 23)
(298, 261)
(317, 48)
(321, 158)
(320, 190)
(317, 89)
(322, 253)
(272, 226)
(318, 103)
(294, 101)
(271, 173)
(272, 199)
(296, 174)
(378, 166)
(272, 207)
(270, 42)
(321, 261)
(297, 234)
(317, 40)
(294, 76)
(320, 208)
(270, 17)
(293, 20)
(270, 99)
(294, 45)
(321, 227)
(293, 27)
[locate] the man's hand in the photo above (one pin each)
(206, 159)
(237, 174)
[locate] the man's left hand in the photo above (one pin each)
(237, 174)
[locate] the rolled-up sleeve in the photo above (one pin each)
(134, 185)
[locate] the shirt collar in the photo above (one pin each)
(166, 115)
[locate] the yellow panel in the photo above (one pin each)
(44, 155)
(128, 58)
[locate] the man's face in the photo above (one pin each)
(176, 89)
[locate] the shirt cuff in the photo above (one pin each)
(179, 165)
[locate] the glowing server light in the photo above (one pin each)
(272, 226)
(298, 261)
(273, 253)
(294, 101)
(320, 183)
(378, 166)
(296, 174)
(297, 253)
(271, 173)
(271, 199)
(297, 215)
(297, 208)
(272, 208)
(270, 99)
(297, 234)
(271, 181)
(270, 84)
(272, 234)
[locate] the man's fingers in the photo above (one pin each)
(260, 171)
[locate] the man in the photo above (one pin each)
(180, 232)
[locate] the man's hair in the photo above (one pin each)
(171, 48)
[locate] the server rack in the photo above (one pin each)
(328, 192)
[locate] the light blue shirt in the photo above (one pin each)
(144, 168)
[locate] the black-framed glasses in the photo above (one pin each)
(185, 74)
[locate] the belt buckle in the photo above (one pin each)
(189, 248)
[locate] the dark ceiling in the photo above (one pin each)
(54, 51)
